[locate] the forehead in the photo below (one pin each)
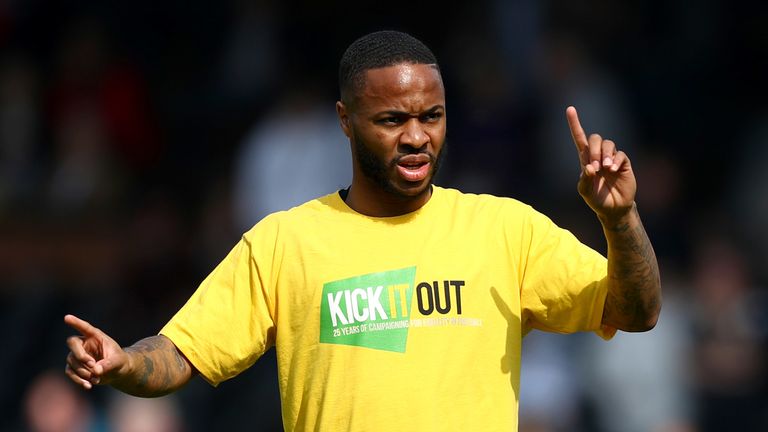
(402, 84)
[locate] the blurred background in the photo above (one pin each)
(138, 140)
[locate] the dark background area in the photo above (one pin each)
(125, 128)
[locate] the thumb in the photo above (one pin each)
(104, 366)
(585, 184)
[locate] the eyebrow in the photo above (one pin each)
(397, 113)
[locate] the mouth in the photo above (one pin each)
(415, 167)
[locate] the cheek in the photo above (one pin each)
(383, 138)
(437, 134)
(384, 141)
(375, 141)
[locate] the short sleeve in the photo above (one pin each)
(564, 282)
(228, 323)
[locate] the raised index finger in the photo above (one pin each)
(82, 326)
(577, 133)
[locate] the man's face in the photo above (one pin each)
(396, 124)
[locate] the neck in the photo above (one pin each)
(376, 202)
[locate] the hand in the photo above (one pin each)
(94, 357)
(607, 182)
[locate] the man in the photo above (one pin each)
(396, 304)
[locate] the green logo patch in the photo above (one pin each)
(369, 311)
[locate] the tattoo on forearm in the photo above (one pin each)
(149, 369)
(634, 274)
(160, 369)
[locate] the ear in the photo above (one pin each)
(341, 111)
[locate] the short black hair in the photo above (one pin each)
(377, 50)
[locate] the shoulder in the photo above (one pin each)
(481, 203)
(298, 216)
(490, 210)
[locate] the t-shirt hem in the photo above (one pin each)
(605, 331)
(189, 353)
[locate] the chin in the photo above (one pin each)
(411, 190)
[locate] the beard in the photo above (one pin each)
(379, 170)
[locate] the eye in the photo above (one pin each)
(390, 121)
(431, 117)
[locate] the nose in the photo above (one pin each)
(414, 134)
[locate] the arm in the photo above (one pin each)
(608, 186)
(149, 368)
(156, 367)
(634, 288)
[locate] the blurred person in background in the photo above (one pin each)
(549, 388)
(51, 404)
(100, 118)
(641, 382)
(132, 414)
(729, 329)
(522, 272)
(748, 183)
(20, 122)
(298, 147)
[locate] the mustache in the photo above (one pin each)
(412, 151)
(436, 160)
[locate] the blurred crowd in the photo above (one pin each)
(138, 140)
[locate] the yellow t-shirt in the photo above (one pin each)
(404, 323)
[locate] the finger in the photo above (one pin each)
(577, 133)
(80, 369)
(82, 326)
(620, 160)
(595, 151)
(77, 349)
(85, 374)
(78, 380)
(608, 151)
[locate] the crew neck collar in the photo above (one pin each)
(341, 205)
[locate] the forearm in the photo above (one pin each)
(634, 288)
(155, 368)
